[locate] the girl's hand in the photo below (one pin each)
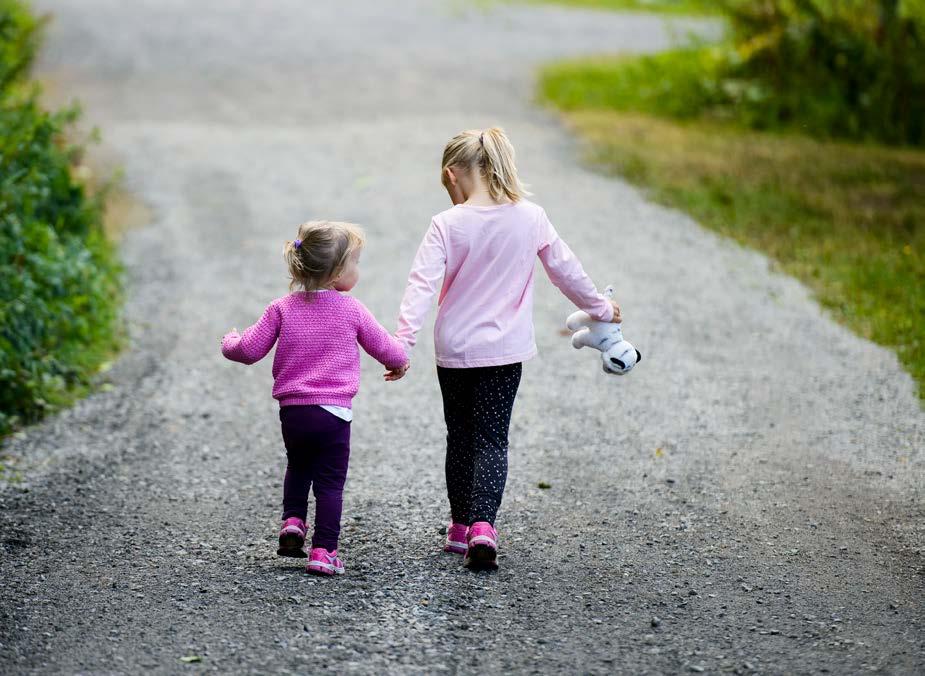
(397, 374)
(617, 317)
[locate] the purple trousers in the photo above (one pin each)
(318, 449)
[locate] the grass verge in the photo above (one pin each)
(846, 219)
(693, 7)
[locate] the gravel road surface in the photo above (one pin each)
(748, 500)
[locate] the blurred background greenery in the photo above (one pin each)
(59, 278)
(800, 134)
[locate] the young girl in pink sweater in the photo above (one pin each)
(481, 255)
(316, 373)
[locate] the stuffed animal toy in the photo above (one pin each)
(618, 356)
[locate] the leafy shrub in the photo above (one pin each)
(847, 68)
(18, 41)
(59, 282)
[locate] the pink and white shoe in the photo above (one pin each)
(482, 553)
(323, 562)
(292, 538)
(456, 538)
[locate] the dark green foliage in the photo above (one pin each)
(845, 68)
(59, 283)
(18, 41)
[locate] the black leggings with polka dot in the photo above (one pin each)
(477, 405)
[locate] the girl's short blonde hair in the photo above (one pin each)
(490, 151)
(318, 254)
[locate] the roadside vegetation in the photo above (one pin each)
(60, 286)
(801, 134)
(662, 6)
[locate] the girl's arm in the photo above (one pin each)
(377, 342)
(256, 341)
(565, 271)
(426, 273)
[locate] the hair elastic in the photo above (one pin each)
(482, 139)
(297, 243)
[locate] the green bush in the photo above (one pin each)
(845, 68)
(59, 281)
(18, 41)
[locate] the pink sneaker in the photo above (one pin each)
(323, 562)
(292, 538)
(456, 538)
(483, 547)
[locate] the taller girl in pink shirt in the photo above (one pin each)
(481, 255)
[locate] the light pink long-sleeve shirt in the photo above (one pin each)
(485, 257)
(317, 360)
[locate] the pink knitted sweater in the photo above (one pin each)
(317, 360)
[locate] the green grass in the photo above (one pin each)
(846, 219)
(661, 6)
(678, 83)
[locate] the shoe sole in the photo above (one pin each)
(291, 546)
(326, 569)
(455, 547)
(481, 557)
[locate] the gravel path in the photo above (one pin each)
(749, 499)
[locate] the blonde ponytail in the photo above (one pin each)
(492, 153)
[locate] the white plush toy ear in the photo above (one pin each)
(582, 338)
(577, 320)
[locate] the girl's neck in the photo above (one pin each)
(480, 196)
